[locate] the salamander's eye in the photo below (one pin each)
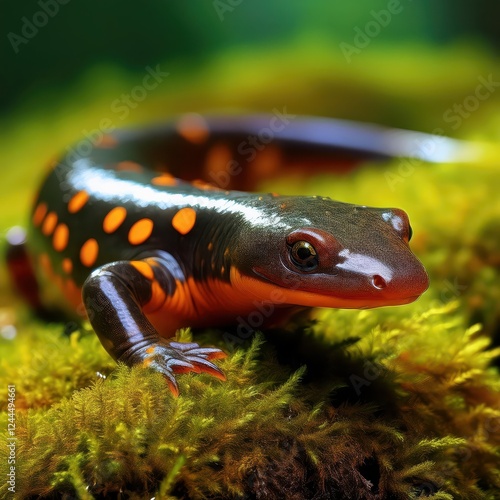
(304, 256)
(410, 232)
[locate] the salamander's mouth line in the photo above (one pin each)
(266, 290)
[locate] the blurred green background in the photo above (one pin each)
(130, 35)
(67, 38)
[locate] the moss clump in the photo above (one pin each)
(48, 364)
(315, 412)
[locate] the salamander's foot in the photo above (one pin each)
(170, 358)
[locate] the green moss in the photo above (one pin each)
(48, 365)
(389, 403)
(317, 407)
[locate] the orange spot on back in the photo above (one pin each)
(217, 160)
(205, 186)
(77, 202)
(266, 163)
(67, 265)
(49, 224)
(129, 166)
(184, 220)
(39, 214)
(144, 268)
(140, 231)
(114, 219)
(89, 252)
(193, 127)
(60, 238)
(164, 180)
(107, 141)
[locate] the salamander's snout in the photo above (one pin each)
(404, 286)
(400, 278)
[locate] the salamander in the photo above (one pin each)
(147, 231)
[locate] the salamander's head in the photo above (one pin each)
(323, 253)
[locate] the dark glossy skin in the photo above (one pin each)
(177, 254)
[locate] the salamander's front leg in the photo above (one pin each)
(115, 296)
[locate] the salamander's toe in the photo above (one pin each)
(206, 366)
(203, 352)
(179, 365)
(172, 358)
(200, 358)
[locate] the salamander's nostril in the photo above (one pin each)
(379, 282)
